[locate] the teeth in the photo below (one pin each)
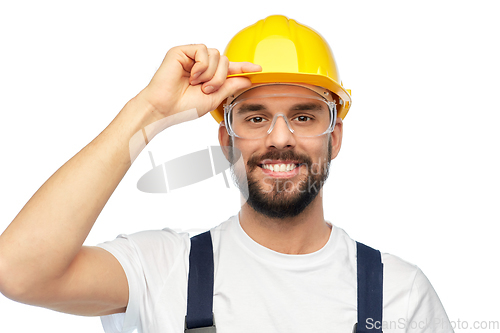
(279, 167)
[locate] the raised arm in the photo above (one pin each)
(42, 261)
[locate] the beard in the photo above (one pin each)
(281, 198)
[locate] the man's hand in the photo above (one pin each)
(194, 76)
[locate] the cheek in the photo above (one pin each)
(249, 148)
(318, 152)
(315, 148)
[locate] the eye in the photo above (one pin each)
(257, 120)
(302, 118)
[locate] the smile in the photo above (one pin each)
(279, 167)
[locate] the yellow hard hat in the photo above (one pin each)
(289, 52)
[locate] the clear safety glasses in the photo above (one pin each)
(256, 117)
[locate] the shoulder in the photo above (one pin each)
(149, 247)
(407, 288)
(402, 280)
(395, 268)
(152, 239)
(155, 263)
(399, 272)
(399, 276)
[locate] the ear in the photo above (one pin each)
(224, 139)
(336, 137)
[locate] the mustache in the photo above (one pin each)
(255, 160)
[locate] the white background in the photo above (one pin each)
(418, 172)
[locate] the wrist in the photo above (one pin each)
(156, 120)
(130, 124)
(143, 112)
(148, 122)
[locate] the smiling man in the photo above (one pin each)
(276, 266)
(287, 135)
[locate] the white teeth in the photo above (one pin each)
(279, 167)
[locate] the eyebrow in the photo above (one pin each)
(245, 108)
(311, 106)
(307, 106)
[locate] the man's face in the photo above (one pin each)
(283, 172)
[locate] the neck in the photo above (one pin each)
(305, 233)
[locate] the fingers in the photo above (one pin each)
(205, 67)
(218, 78)
(243, 67)
(193, 58)
(201, 63)
(230, 86)
(194, 75)
(222, 70)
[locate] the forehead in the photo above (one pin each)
(276, 89)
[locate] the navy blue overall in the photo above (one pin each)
(200, 318)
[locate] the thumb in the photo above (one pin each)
(231, 86)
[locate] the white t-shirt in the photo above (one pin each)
(260, 290)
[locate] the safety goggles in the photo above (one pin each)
(256, 117)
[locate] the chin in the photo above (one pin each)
(282, 201)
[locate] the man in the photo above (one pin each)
(278, 265)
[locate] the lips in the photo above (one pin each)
(279, 163)
(279, 167)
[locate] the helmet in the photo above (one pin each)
(289, 52)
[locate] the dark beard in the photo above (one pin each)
(282, 198)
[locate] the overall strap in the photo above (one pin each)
(199, 318)
(370, 279)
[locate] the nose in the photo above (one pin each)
(280, 136)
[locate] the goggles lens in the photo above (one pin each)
(256, 117)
